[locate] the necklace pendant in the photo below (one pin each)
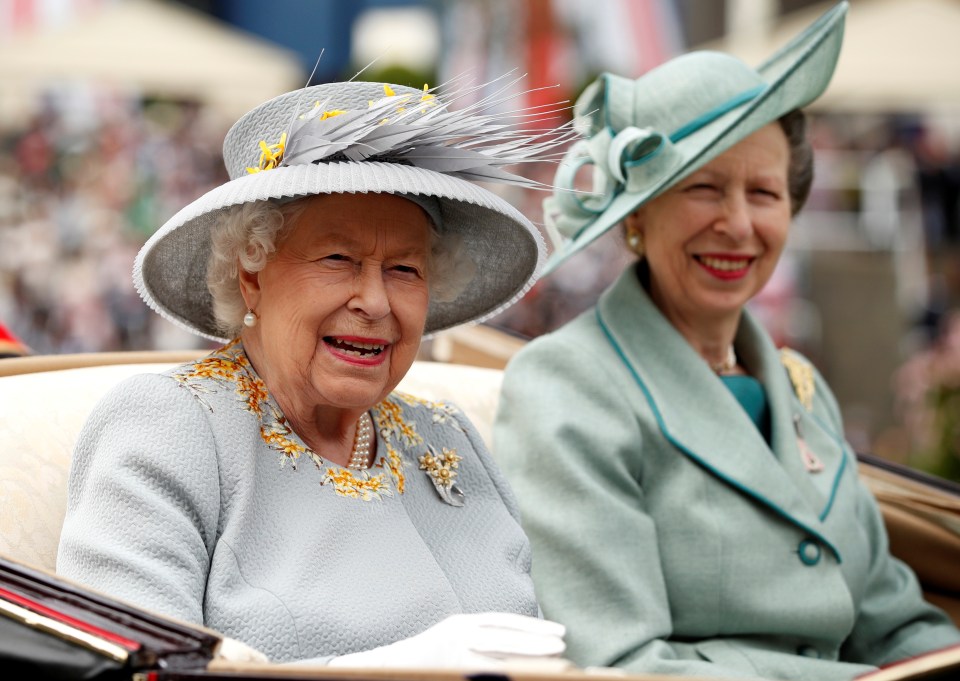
(811, 461)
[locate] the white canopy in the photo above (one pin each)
(897, 55)
(150, 46)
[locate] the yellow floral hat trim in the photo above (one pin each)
(270, 155)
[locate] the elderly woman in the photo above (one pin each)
(278, 490)
(692, 504)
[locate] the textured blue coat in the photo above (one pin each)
(669, 536)
(189, 495)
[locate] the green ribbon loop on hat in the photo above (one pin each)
(569, 210)
(638, 157)
(632, 160)
(631, 147)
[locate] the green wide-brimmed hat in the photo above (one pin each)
(643, 136)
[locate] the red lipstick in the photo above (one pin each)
(725, 266)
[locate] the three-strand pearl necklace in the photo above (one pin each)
(362, 443)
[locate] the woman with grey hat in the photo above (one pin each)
(692, 504)
(279, 490)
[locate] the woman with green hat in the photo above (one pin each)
(692, 504)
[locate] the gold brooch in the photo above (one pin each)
(442, 470)
(801, 376)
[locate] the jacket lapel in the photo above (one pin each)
(699, 416)
(791, 420)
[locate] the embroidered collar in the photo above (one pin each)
(229, 368)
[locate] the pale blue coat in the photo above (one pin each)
(669, 537)
(181, 501)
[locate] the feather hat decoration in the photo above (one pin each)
(361, 137)
(421, 131)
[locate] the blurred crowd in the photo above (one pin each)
(81, 188)
(92, 176)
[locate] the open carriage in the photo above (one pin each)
(59, 631)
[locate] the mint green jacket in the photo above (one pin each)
(670, 537)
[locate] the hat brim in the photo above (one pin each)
(170, 270)
(794, 76)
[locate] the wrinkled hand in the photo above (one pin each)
(479, 641)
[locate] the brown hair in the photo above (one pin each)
(800, 169)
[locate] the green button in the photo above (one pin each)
(809, 552)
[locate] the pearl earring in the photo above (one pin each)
(250, 319)
(635, 242)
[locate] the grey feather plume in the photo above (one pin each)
(469, 143)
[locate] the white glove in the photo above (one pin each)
(481, 641)
(237, 651)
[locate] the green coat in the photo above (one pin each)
(669, 537)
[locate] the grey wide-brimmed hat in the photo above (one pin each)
(643, 136)
(363, 137)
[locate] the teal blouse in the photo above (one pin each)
(753, 398)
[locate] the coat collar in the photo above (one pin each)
(713, 428)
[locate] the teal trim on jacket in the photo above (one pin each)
(669, 536)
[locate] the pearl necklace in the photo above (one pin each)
(362, 443)
(728, 363)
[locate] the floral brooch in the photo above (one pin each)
(801, 376)
(442, 470)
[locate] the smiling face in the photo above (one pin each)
(713, 240)
(342, 303)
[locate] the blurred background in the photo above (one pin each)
(112, 113)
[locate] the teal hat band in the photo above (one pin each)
(716, 112)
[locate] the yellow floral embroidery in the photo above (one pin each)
(360, 485)
(229, 369)
(443, 413)
(395, 466)
(281, 443)
(390, 422)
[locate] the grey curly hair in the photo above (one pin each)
(247, 236)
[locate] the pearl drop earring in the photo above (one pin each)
(250, 319)
(635, 242)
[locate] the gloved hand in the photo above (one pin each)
(237, 651)
(479, 641)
